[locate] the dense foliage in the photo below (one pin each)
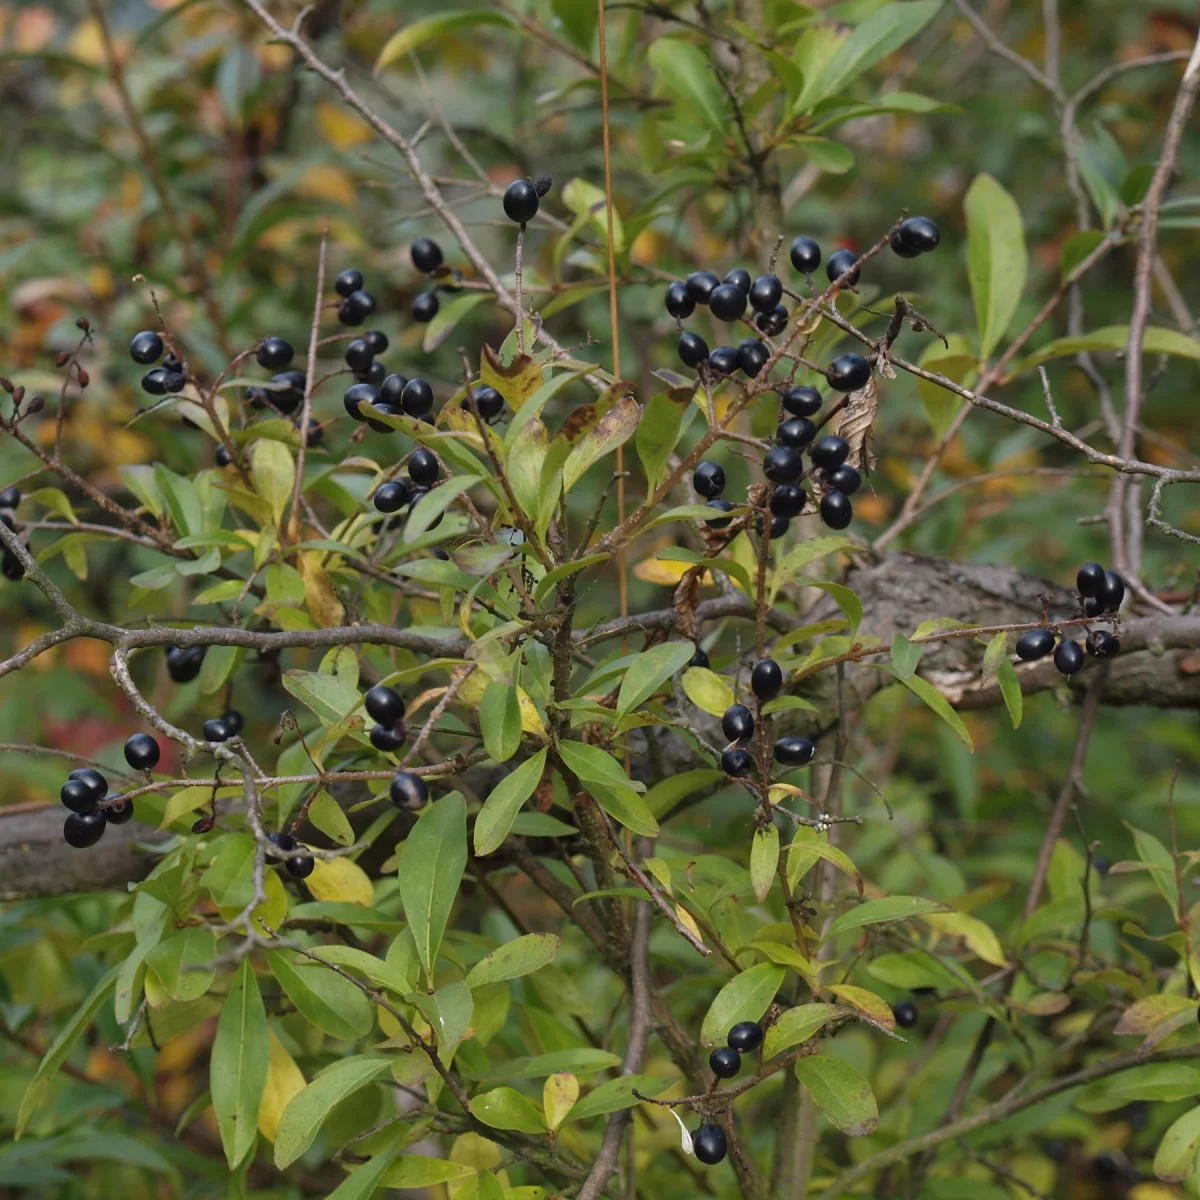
(480, 810)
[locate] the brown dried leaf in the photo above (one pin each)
(684, 602)
(855, 424)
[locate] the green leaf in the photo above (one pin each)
(658, 432)
(62, 1045)
(834, 158)
(329, 696)
(364, 1181)
(385, 973)
(797, 1025)
(881, 34)
(330, 818)
(184, 962)
(416, 1172)
(624, 806)
(803, 852)
(1176, 1155)
(1114, 337)
(219, 663)
(449, 313)
(411, 37)
(842, 596)
(552, 578)
(506, 1108)
(1162, 866)
(885, 909)
(1154, 1082)
(592, 764)
(649, 671)
(1136, 184)
(996, 258)
(504, 802)
(1010, 689)
(707, 690)
(582, 1061)
(435, 502)
(617, 1094)
(56, 500)
(938, 703)
(956, 362)
(500, 720)
(522, 956)
(180, 497)
(308, 1108)
(905, 656)
(589, 203)
(579, 20)
(686, 73)
(143, 483)
(1076, 248)
(913, 969)
(669, 792)
(840, 1092)
(431, 867)
(273, 472)
(744, 998)
(764, 859)
(238, 1065)
(333, 1004)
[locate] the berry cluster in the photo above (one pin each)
(170, 377)
(392, 496)
(86, 788)
(1100, 594)
(737, 724)
(725, 1061)
(356, 305)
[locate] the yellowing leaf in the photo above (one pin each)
(272, 470)
(284, 1080)
(558, 1098)
(978, 936)
(324, 182)
(470, 695)
(707, 690)
(340, 127)
(319, 597)
(340, 879)
(875, 1008)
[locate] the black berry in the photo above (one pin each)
(779, 526)
(223, 457)
(348, 282)
(805, 255)
(736, 763)
(725, 1062)
(679, 303)
(905, 1013)
(901, 247)
(708, 479)
(11, 567)
(1102, 644)
(119, 813)
(425, 307)
(489, 402)
(300, 867)
(752, 356)
(154, 382)
(848, 373)
(746, 1036)
(918, 234)
(723, 360)
(737, 723)
(423, 467)
(274, 353)
(282, 839)
(359, 355)
(234, 720)
(709, 1144)
(796, 432)
(426, 255)
(83, 829)
(356, 308)
(142, 752)
(77, 796)
(287, 394)
(801, 401)
(693, 349)
(765, 293)
(391, 497)
(846, 479)
(772, 323)
(174, 381)
(376, 341)
(841, 261)
(1089, 580)
(216, 730)
(357, 394)
(1068, 656)
(392, 388)
(836, 510)
(721, 505)
(740, 278)
(794, 751)
(829, 452)
(788, 500)
(766, 679)
(1112, 592)
(10, 497)
(699, 659)
(146, 347)
(184, 663)
(701, 285)
(417, 398)
(385, 739)
(383, 704)
(1034, 644)
(408, 790)
(520, 201)
(727, 302)
(1092, 607)
(782, 464)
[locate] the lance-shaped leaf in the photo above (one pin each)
(431, 867)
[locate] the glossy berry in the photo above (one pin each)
(77, 796)
(709, 1144)
(287, 392)
(1112, 592)
(805, 255)
(727, 302)
(801, 401)
(374, 374)
(392, 388)
(154, 382)
(174, 382)
(788, 500)
(142, 752)
(119, 813)
(426, 255)
(846, 479)
(423, 467)
(782, 464)
(752, 356)
(356, 308)
(11, 567)
(848, 373)
(766, 679)
(1034, 644)
(796, 432)
(92, 778)
(146, 347)
(836, 510)
(10, 497)
(300, 867)
(489, 402)
(765, 293)
(1102, 644)
(385, 739)
(737, 723)
(1068, 656)
(901, 247)
(746, 1036)
(216, 730)
(829, 452)
(701, 285)
(723, 360)
(725, 1062)
(376, 341)
(772, 323)
(721, 505)
(391, 497)
(905, 1013)
(425, 307)
(918, 234)
(234, 720)
(184, 663)
(679, 303)
(84, 829)
(794, 751)
(274, 353)
(417, 398)
(358, 394)
(736, 763)
(708, 479)
(520, 201)
(699, 659)
(1089, 580)
(840, 261)
(408, 790)
(693, 349)
(348, 282)
(1092, 607)
(282, 839)
(383, 704)
(779, 526)
(740, 278)
(359, 355)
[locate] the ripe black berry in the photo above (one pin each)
(727, 302)
(426, 255)
(779, 526)
(699, 659)
(392, 388)
(782, 464)
(425, 307)
(357, 394)
(408, 790)
(721, 505)
(142, 752)
(725, 1062)
(314, 434)
(848, 373)
(841, 261)
(766, 679)
(84, 829)
(520, 201)
(846, 479)
(805, 254)
(96, 784)
(11, 567)
(1089, 579)
(801, 401)
(709, 1144)
(836, 510)
(174, 381)
(746, 1036)
(383, 704)
(234, 720)
(391, 497)
(348, 282)
(356, 308)
(765, 293)
(10, 497)
(708, 479)
(359, 355)
(1068, 656)
(184, 662)
(1112, 592)
(905, 1013)
(154, 382)
(119, 813)
(701, 285)
(417, 398)
(376, 341)
(300, 867)
(693, 349)
(740, 278)
(423, 467)
(1034, 644)
(287, 394)
(146, 347)
(794, 751)
(829, 452)
(77, 796)
(737, 724)
(723, 360)
(796, 432)
(918, 234)
(274, 353)
(282, 839)
(1092, 607)
(385, 739)
(679, 303)
(901, 247)
(736, 763)
(788, 500)
(772, 323)
(752, 356)
(1102, 644)
(215, 730)
(489, 402)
